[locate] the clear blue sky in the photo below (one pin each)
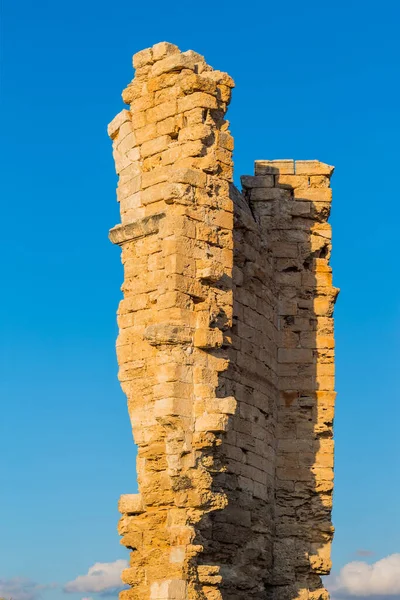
(314, 80)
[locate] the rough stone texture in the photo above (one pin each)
(225, 348)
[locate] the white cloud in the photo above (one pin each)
(19, 588)
(358, 578)
(100, 577)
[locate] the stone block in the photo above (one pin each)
(198, 131)
(121, 118)
(161, 112)
(225, 406)
(133, 91)
(323, 194)
(170, 589)
(167, 192)
(274, 167)
(167, 334)
(211, 422)
(175, 63)
(171, 407)
(258, 181)
(295, 355)
(192, 83)
(178, 153)
(208, 338)
(196, 100)
(141, 104)
(260, 194)
(155, 146)
(131, 504)
(164, 49)
(313, 167)
(142, 58)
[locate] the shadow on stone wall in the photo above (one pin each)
(275, 463)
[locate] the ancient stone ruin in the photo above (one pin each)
(225, 348)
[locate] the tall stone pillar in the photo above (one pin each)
(225, 348)
(173, 155)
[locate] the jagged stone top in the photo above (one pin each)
(174, 135)
(165, 58)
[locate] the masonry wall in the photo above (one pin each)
(290, 201)
(225, 348)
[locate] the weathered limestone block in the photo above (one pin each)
(225, 348)
(131, 504)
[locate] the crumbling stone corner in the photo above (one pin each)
(225, 348)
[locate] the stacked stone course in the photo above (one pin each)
(225, 348)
